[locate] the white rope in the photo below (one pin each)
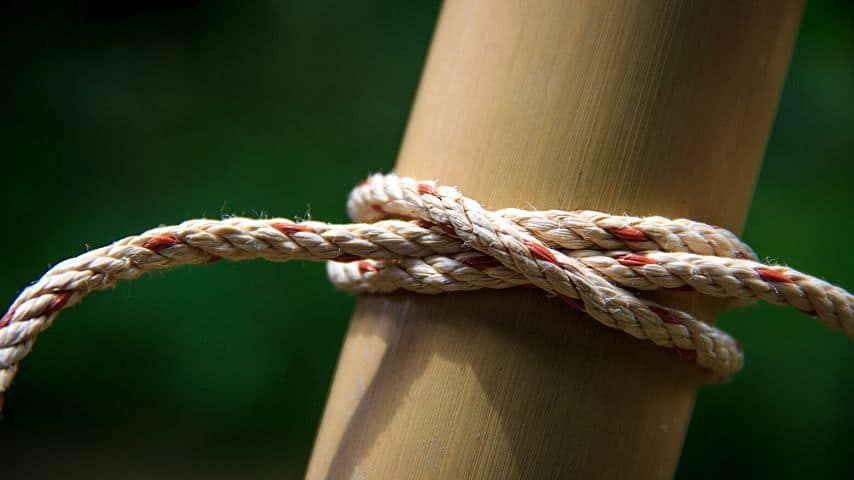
(431, 239)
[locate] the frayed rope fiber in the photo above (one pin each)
(417, 236)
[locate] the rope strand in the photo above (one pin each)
(430, 239)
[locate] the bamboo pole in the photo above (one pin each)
(655, 107)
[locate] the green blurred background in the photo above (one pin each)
(118, 116)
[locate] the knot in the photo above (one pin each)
(427, 238)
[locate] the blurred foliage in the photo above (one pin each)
(123, 115)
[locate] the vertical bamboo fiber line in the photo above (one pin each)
(655, 107)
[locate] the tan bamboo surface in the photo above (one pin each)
(646, 107)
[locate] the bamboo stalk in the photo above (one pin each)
(655, 107)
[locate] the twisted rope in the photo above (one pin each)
(431, 239)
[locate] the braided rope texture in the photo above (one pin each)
(417, 236)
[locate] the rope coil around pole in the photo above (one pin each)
(417, 236)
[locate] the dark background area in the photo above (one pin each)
(119, 116)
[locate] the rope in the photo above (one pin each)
(430, 239)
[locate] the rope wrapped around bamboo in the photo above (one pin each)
(417, 236)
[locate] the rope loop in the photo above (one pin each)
(427, 238)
